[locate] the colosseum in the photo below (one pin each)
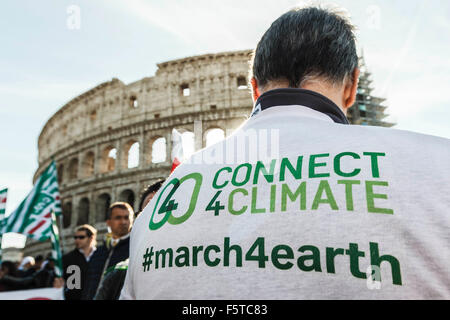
(92, 137)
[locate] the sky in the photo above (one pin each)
(52, 51)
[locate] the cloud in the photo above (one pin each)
(42, 90)
(209, 25)
(420, 104)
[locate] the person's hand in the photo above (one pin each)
(58, 283)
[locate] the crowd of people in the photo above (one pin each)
(31, 273)
(89, 272)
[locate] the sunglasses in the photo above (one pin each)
(79, 237)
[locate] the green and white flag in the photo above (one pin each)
(3, 197)
(56, 247)
(35, 215)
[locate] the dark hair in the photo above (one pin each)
(149, 189)
(120, 205)
(39, 258)
(90, 230)
(11, 266)
(307, 42)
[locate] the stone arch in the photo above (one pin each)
(213, 135)
(241, 83)
(87, 166)
(108, 160)
(158, 150)
(127, 195)
(67, 214)
(101, 207)
(83, 211)
(133, 102)
(73, 169)
(131, 154)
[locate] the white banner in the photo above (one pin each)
(33, 294)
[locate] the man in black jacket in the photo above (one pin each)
(114, 277)
(115, 250)
(75, 263)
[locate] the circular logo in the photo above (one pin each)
(169, 204)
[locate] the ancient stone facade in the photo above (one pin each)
(91, 136)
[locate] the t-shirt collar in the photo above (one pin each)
(90, 254)
(300, 97)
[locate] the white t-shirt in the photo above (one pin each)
(327, 205)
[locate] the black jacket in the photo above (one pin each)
(112, 282)
(41, 279)
(103, 258)
(74, 257)
(26, 273)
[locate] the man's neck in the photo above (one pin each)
(325, 89)
(332, 93)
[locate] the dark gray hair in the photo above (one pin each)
(306, 43)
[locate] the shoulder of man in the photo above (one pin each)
(98, 258)
(121, 252)
(124, 241)
(71, 254)
(123, 265)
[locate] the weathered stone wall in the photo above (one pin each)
(114, 115)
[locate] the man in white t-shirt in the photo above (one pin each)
(297, 203)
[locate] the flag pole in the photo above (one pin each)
(3, 197)
(56, 246)
(0, 248)
(61, 238)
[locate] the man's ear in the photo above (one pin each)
(255, 90)
(350, 90)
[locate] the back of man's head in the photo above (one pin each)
(304, 44)
(147, 193)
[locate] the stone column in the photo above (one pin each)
(227, 90)
(97, 159)
(92, 209)
(75, 209)
(198, 134)
(119, 156)
(114, 195)
(142, 150)
(169, 145)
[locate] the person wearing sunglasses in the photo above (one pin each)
(75, 262)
